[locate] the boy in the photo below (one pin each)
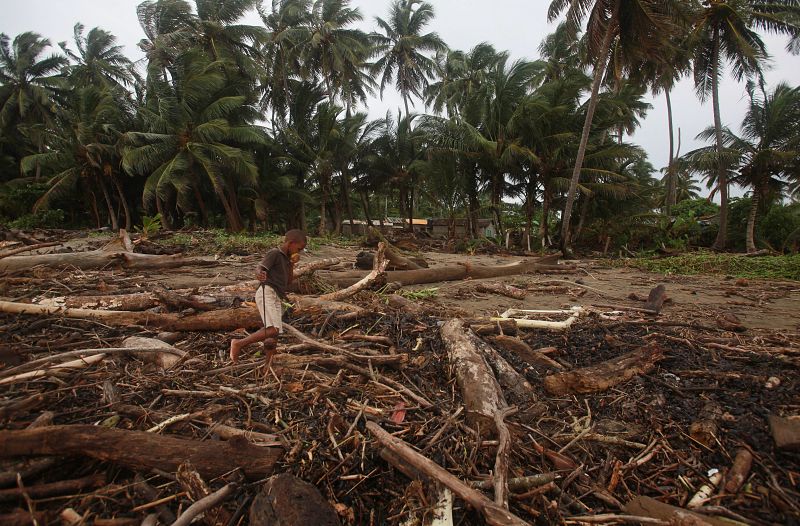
(275, 275)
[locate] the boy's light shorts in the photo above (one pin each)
(270, 307)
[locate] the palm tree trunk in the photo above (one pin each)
(405, 103)
(166, 221)
(544, 225)
(124, 203)
(365, 206)
(582, 219)
(722, 179)
(323, 203)
(111, 214)
(751, 221)
(95, 212)
(671, 186)
(201, 204)
(599, 70)
(411, 205)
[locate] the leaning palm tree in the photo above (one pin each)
(402, 48)
(726, 32)
(28, 85)
(640, 27)
(769, 145)
(98, 61)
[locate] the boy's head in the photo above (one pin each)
(294, 241)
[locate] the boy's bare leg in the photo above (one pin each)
(238, 345)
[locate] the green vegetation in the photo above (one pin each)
(419, 294)
(768, 267)
(262, 128)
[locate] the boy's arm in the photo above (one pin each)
(261, 274)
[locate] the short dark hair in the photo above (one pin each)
(295, 236)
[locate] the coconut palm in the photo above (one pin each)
(85, 155)
(169, 29)
(402, 49)
(639, 27)
(769, 145)
(28, 86)
(400, 158)
(459, 76)
(98, 60)
(662, 74)
(337, 52)
(287, 27)
(725, 32)
(193, 134)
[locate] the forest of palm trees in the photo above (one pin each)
(265, 126)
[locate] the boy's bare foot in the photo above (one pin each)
(236, 348)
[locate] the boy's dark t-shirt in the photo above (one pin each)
(278, 267)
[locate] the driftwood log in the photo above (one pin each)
(480, 390)
(216, 320)
(607, 374)
(96, 259)
(448, 272)
(141, 450)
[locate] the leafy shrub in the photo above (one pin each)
(780, 227)
(53, 218)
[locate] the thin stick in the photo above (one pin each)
(501, 459)
(203, 504)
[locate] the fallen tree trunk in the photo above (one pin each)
(216, 320)
(456, 272)
(482, 395)
(28, 248)
(96, 259)
(495, 515)
(141, 450)
(607, 374)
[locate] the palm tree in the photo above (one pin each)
(28, 86)
(662, 74)
(726, 32)
(84, 153)
(400, 158)
(769, 146)
(193, 133)
(169, 28)
(216, 30)
(459, 76)
(287, 26)
(401, 48)
(639, 26)
(338, 53)
(98, 61)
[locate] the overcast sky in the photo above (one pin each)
(514, 25)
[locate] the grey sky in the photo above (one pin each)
(514, 25)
